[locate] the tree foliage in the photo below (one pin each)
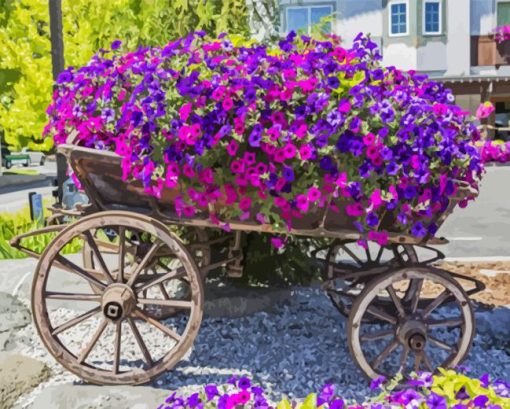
(25, 55)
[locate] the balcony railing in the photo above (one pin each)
(486, 51)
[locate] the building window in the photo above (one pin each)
(305, 17)
(432, 17)
(503, 13)
(398, 19)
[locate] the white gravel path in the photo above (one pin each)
(292, 351)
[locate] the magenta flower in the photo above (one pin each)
(485, 110)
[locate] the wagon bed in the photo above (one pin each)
(100, 175)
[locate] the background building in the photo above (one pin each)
(450, 40)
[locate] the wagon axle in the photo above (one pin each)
(118, 301)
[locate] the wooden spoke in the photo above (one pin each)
(163, 291)
(376, 312)
(85, 353)
(436, 303)
(369, 256)
(141, 343)
(72, 296)
(403, 359)
(426, 362)
(116, 356)
(75, 321)
(73, 268)
(417, 361)
(440, 344)
(396, 300)
(155, 247)
(122, 253)
(448, 322)
(350, 253)
(379, 254)
(416, 286)
(374, 336)
(385, 353)
(166, 303)
(95, 249)
(168, 331)
(176, 274)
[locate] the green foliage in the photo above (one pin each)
(291, 265)
(25, 59)
(13, 224)
(449, 383)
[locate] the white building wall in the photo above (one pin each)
(400, 55)
(432, 56)
(458, 37)
(356, 16)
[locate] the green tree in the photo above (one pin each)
(25, 59)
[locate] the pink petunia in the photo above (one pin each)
(314, 194)
(185, 111)
(369, 139)
(354, 210)
(237, 167)
(122, 94)
(380, 238)
(289, 151)
(188, 171)
(344, 106)
(341, 180)
(302, 203)
(196, 130)
(232, 148)
(485, 110)
(206, 176)
(245, 204)
(227, 104)
(302, 131)
(376, 199)
(305, 152)
(189, 211)
(277, 242)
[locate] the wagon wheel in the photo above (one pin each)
(342, 291)
(435, 328)
(136, 246)
(122, 341)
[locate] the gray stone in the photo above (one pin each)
(233, 302)
(18, 375)
(94, 397)
(495, 323)
(13, 313)
(7, 340)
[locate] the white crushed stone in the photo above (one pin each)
(293, 351)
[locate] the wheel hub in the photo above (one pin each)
(413, 333)
(118, 301)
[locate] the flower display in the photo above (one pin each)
(423, 391)
(243, 131)
(485, 110)
(494, 151)
(501, 34)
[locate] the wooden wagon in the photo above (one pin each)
(142, 269)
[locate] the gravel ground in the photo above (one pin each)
(294, 350)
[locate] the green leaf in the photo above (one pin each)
(284, 404)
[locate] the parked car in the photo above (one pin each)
(35, 157)
(9, 159)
